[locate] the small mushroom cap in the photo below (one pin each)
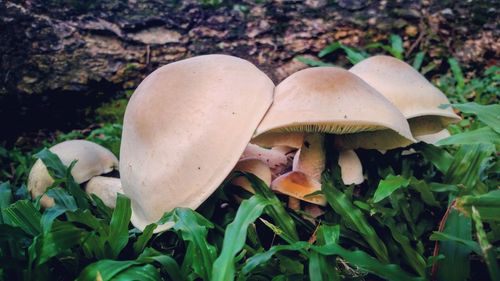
(434, 138)
(93, 160)
(333, 100)
(277, 161)
(254, 166)
(297, 184)
(185, 128)
(106, 188)
(350, 167)
(407, 89)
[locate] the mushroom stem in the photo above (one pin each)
(310, 159)
(106, 188)
(293, 203)
(351, 168)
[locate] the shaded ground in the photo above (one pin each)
(61, 58)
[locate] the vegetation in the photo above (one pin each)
(434, 213)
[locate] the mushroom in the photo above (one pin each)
(409, 91)
(254, 166)
(334, 101)
(92, 160)
(106, 188)
(185, 128)
(276, 159)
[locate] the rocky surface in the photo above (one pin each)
(61, 58)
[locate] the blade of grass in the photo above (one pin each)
(388, 185)
(313, 62)
(440, 236)
(488, 251)
(487, 205)
(418, 60)
(235, 236)
(24, 215)
(484, 135)
(143, 272)
(488, 114)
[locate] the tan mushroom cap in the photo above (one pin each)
(254, 166)
(93, 160)
(434, 138)
(297, 184)
(106, 188)
(409, 91)
(333, 100)
(185, 128)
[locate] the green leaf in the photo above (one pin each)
(439, 157)
(488, 114)
(489, 252)
(235, 235)
(487, 205)
(61, 238)
(440, 236)
(396, 46)
(194, 228)
(354, 218)
(262, 258)
(276, 210)
(143, 239)
(168, 263)
(143, 273)
(484, 135)
(366, 262)
(320, 270)
(329, 49)
(118, 235)
(23, 214)
(418, 60)
(54, 165)
(457, 74)
(388, 185)
(104, 270)
(5, 197)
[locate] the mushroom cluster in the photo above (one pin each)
(192, 122)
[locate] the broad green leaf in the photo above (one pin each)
(440, 236)
(63, 202)
(104, 270)
(118, 235)
(418, 60)
(61, 238)
(488, 114)
(23, 214)
(425, 191)
(5, 197)
(436, 155)
(235, 236)
(143, 273)
(484, 135)
(262, 258)
(469, 164)
(328, 234)
(388, 185)
(329, 49)
(488, 251)
(54, 165)
(366, 262)
(320, 269)
(354, 218)
(457, 73)
(150, 255)
(194, 228)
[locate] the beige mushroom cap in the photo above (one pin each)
(297, 184)
(333, 100)
(106, 188)
(93, 160)
(184, 129)
(408, 90)
(254, 166)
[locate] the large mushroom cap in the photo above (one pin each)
(185, 128)
(409, 91)
(93, 160)
(333, 100)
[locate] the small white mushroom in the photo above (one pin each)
(92, 160)
(106, 188)
(254, 166)
(350, 167)
(276, 160)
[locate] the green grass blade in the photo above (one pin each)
(418, 60)
(396, 46)
(439, 157)
(151, 255)
(487, 205)
(313, 62)
(118, 235)
(484, 135)
(54, 165)
(488, 251)
(469, 164)
(194, 228)
(440, 236)
(388, 185)
(261, 258)
(366, 262)
(5, 197)
(104, 270)
(488, 114)
(235, 236)
(354, 218)
(329, 49)
(457, 74)
(62, 237)
(320, 270)
(24, 215)
(143, 239)
(275, 209)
